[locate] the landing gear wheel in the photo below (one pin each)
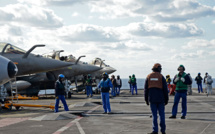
(10, 108)
(17, 108)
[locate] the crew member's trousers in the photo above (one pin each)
(200, 87)
(89, 90)
(158, 107)
(209, 89)
(62, 98)
(113, 91)
(118, 89)
(106, 102)
(134, 87)
(183, 104)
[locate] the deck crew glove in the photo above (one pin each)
(176, 79)
(182, 79)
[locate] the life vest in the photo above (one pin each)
(118, 81)
(133, 80)
(155, 80)
(89, 82)
(180, 85)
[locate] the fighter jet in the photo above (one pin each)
(7, 70)
(97, 75)
(28, 63)
(46, 80)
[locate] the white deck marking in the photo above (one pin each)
(76, 120)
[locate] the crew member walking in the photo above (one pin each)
(204, 81)
(129, 82)
(198, 80)
(134, 84)
(88, 83)
(119, 84)
(105, 85)
(113, 80)
(59, 93)
(156, 93)
(181, 80)
(209, 82)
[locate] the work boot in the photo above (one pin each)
(172, 117)
(163, 132)
(153, 132)
(183, 117)
(104, 113)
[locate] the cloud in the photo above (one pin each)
(166, 30)
(86, 32)
(162, 11)
(183, 10)
(187, 56)
(55, 2)
(30, 15)
(75, 14)
(199, 43)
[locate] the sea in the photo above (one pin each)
(125, 85)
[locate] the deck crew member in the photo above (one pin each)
(59, 93)
(181, 80)
(88, 83)
(156, 94)
(119, 84)
(134, 84)
(105, 85)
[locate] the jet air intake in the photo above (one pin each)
(7, 70)
(12, 69)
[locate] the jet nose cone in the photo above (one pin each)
(12, 69)
(110, 70)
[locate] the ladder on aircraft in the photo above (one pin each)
(13, 86)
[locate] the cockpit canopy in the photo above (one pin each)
(10, 49)
(98, 62)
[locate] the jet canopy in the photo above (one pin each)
(11, 49)
(99, 62)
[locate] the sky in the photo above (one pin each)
(130, 35)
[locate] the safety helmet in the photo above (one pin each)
(89, 75)
(133, 75)
(61, 76)
(104, 74)
(156, 65)
(182, 67)
(167, 75)
(129, 76)
(199, 73)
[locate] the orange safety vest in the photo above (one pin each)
(155, 80)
